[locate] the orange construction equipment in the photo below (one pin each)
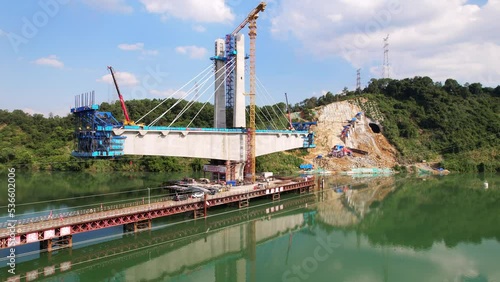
(122, 102)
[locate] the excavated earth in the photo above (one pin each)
(331, 120)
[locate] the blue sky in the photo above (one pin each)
(51, 50)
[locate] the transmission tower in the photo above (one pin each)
(358, 80)
(386, 58)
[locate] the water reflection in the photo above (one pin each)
(178, 246)
(39, 193)
(363, 229)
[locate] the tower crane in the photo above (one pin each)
(122, 102)
(251, 20)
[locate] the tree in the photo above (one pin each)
(476, 88)
(345, 91)
(452, 87)
(373, 87)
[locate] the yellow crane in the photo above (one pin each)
(251, 20)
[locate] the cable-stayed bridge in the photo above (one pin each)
(230, 143)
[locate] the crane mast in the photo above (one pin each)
(251, 20)
(122, 102)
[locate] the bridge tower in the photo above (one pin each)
(235, 89)
(239, 94)
(220, 98)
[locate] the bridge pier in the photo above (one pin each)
(46, 245)
(244, 203)
(307, 189)
(137, 226)
(199, 213)
(57, 243)
(276, 197)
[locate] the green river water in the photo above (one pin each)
(353, 229)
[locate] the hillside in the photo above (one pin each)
(331, 120)
(449, 125)
(453, 126)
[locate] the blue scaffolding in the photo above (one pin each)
(94, 131)
(230, 73)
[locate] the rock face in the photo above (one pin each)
(331, 120)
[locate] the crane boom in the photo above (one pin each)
(122, 102)
(251, 16)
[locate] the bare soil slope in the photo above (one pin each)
(331, 120)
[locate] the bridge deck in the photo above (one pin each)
(32, 230)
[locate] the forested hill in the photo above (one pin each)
(456, 125)
(34, 142)
(38, 143)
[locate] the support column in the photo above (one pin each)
(239, 173)
(142, 225)
(198, 213)
(57, 243)
(220, 92)
(205, 205)
(244, 202)
(276, 197)
(128, 227)
(239, 93)
(46, 245)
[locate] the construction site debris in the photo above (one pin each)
(368, 149)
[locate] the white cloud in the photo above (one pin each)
(2, 32)
(441, 39)
(51, 61)
(122, 78)
(196, 10)
(197, 28)
(169, 93)
(139, 46)
(118, 6)
(194, 52)
(131, 47)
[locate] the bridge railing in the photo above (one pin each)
(114, 210)
(105, 208)
(232, 130)
(96, 209)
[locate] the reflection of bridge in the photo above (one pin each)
(137, 215)
(183, 246)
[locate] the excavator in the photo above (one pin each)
(127, 120)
